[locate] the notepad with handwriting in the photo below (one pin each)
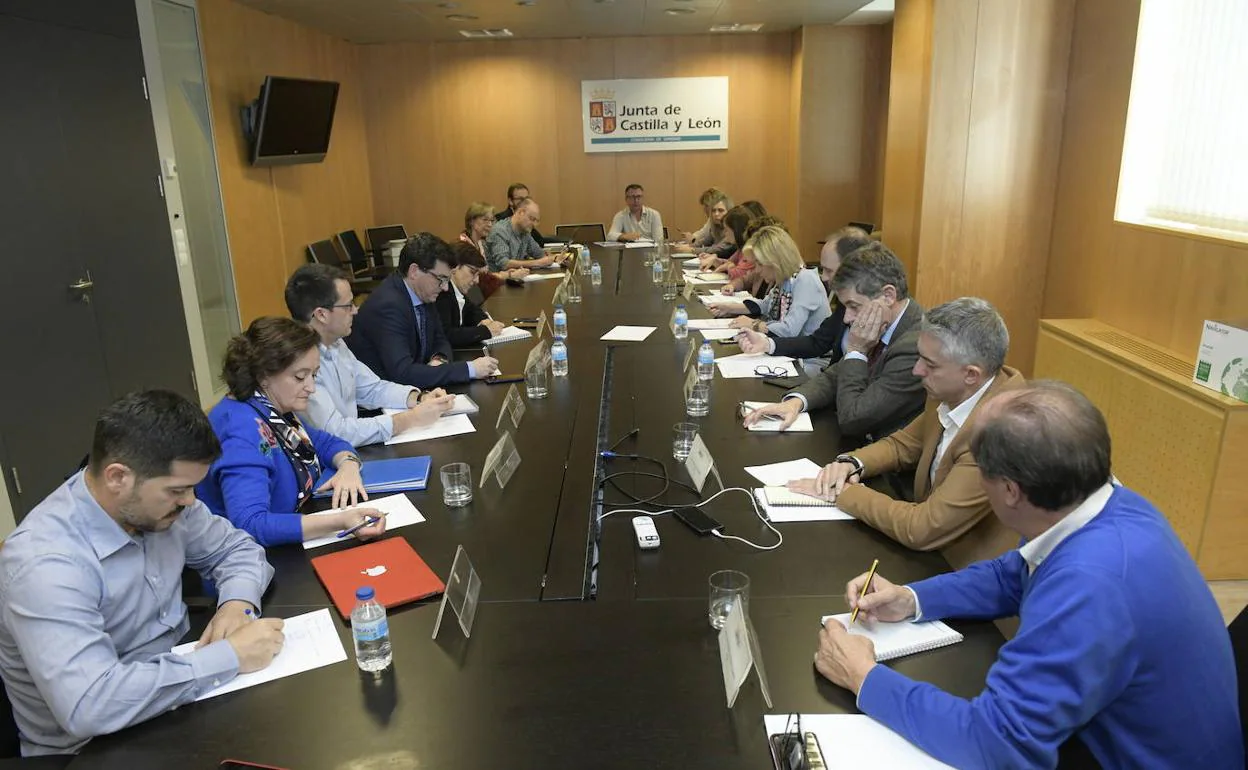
(510, 334)
(897, 640)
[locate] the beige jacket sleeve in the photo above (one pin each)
(901, 450)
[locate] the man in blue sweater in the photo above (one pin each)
(1120, 643)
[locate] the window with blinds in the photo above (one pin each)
(1185, 156)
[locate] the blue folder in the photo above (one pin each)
(400, 474)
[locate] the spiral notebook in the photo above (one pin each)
(510, 334)
(783, 496)
(896, 640)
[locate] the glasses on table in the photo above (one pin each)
(771, 371)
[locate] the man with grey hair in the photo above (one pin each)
(1119, 634)
(961, 360)
(873, 387)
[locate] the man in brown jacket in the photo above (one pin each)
(962, 349)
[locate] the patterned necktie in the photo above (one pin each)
(875, 354)
(420, 326)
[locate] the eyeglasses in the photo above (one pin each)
(443, 280)
(790, 745)
(771, 371)
(340, 307)
(634, 197)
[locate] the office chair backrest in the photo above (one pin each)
(350, 245)
(378, 237)
(584, 233)
(324, 253)
(666, 237)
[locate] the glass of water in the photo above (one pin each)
(682, 439)
(698, 400)
(537, 382)
(728, 588)
(456, 484)
(574, 289)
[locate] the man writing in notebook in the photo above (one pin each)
(1121, 646)
(961, 363)
(320, 296)
(91, 584)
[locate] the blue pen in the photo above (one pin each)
(366, 523)
(250, 615)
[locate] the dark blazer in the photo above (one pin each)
(385, 339)
(879, 399)
(463, 330)
(823, 341)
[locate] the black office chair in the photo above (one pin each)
(379, 237)
(324, 253)
(666, 237)
(349, 244)
(584, 233)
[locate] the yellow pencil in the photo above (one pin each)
(866, 587)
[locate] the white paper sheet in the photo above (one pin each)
(719, 334)
(510, 334)
(857, 741)
(640, 243)
(801, 425)
(723, 299)
(463, 405)
(628, 333)
(311, 642)
(531, 277)
(743, 365)
(710, 323)
(786, 514)
(446, 425)
(398, 509)
(706, 279)
(691, 262)
(779, 474)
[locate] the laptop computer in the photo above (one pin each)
(392, 567)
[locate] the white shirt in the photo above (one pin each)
(342, 385)
(459, 297)
(1036, 550)
(952, 421)
(649, 226)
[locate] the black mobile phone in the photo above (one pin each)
(788, 752)
(499, 379)
(783, 382)
(698, 520)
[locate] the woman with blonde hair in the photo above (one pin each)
(713, 237)
(797, 302)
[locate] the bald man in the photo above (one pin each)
(1121, 645)
(510, 244)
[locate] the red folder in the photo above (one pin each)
(394, 570)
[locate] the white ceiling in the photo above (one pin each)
(380, 21)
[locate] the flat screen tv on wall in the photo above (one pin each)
(291, 121)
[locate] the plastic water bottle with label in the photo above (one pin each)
(595, 273)
(656, 273)
(680, 327)
(559, 358)
(706, 362)
(370, 631)
(561, 323)
(583, 262)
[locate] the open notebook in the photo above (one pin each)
(510, 334)
(896, 640)
(783, 496)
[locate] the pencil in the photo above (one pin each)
(853, 618)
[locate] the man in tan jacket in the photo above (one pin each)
(962, 349)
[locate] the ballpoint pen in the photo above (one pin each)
(853, 617)
(748, 410)
(368, 522)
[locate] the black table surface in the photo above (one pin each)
(587, 652)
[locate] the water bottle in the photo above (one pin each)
(583, 262)
(370, 631)
(706, 361)
(595, 273)
(657, 274)
(561, 323)
(559, 358)
(681, 329)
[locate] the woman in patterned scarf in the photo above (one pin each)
(271, 463)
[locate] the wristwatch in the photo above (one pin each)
(854, 461)
(352, 456)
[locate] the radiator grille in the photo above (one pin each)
(1159, 358)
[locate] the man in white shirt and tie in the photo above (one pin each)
(321, 297)
(962, 347)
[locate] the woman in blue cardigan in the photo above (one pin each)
(270, 461)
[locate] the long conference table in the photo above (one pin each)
(586, 652)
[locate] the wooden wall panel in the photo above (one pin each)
(909, 95)
(1157, 285)
(838, 177)
(273, 213)
(994, 136)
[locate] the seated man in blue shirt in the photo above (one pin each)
(398, 334)
(91, 584)
(320, 296)
(1120, 643)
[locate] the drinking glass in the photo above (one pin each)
(456, 484)
(728, 587)
(682, 439)
(698, 400)
(537, 382)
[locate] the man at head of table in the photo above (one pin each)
(1121, 645)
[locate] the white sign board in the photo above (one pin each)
(655, 114)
